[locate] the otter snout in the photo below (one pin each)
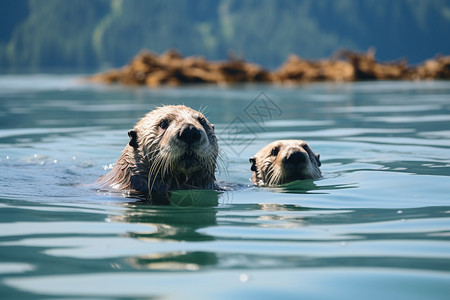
(190, 134)
(295, 158)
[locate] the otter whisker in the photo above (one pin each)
(203, 109)
(165, 165)
(221, 164)
(276, 178)
(156, 161)
(269, 175)
(155, 167)
(267, 171)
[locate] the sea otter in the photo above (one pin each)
(284, 161)
(172, 148)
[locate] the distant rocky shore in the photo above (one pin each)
(171, 68)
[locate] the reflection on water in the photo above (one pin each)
(180, 198)
(309, 186)
(376, 224)
(173, 225)
(289, 236)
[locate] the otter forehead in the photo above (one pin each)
(283, 144)
(289, 143)
(175, 113)
(185, 117)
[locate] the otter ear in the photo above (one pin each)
(318, 160)
(312, 154)
(133, 138)
(252, 160)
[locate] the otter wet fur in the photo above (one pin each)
(171, 148)
(284, 161)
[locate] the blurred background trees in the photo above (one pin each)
(97, 34)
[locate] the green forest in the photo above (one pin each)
(98, 34)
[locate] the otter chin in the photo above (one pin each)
(171, 148)
(285, 161)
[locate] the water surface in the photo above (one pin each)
(377, 225)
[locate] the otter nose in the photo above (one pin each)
(295, 158)
(189, 134)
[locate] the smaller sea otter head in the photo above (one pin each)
(178, 145)
(284, 161)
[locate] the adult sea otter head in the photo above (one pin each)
(173, 147)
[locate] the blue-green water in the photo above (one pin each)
(376, 226)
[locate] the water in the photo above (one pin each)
(377, 225)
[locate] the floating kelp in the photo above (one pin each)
(171, 68)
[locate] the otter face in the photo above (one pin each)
(188, 138)
(285, 161)
(173, 147)
(177, 140)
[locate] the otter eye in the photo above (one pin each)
(164, 124)
(275, 151)
(202, 121)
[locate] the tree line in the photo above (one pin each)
(98, 34)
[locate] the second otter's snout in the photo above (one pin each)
(295, 158)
